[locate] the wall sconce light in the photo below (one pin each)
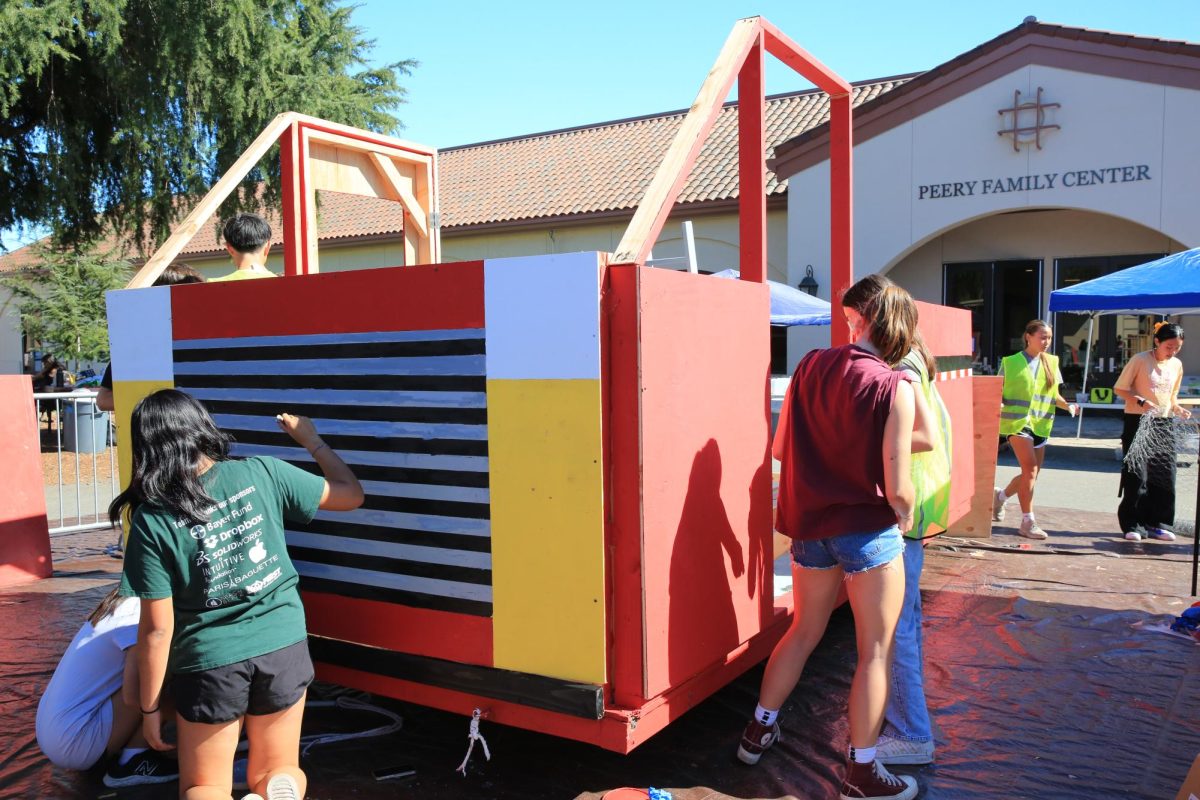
(809, 283)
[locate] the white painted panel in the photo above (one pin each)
(542, 316)
(1181, 166)
(139, 334)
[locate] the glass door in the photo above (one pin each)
(1115, 337)
(1002, 296)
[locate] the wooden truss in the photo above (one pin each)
(742, 59)
(320, 155)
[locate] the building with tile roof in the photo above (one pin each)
(1044, 157)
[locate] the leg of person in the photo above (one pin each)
(136, 764)
(907, 736)
(814, 593)
(274, 766)
(1131, 482)
(876, 592)
(206, 758)
(1158, 506)
(1029, 460)
(276, 710)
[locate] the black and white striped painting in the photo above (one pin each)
(407, 411)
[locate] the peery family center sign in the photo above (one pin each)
(1032, 183)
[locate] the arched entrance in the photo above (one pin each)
(1003, 266)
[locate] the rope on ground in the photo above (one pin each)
(473, 735)
(350, 704)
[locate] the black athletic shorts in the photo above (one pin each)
(261, 685)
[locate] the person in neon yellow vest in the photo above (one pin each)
(1031, 393)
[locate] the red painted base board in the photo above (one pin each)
(24, 530)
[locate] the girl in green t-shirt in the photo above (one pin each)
(219, 599)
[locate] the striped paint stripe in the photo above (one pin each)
(393, 550)
(443, 365)
(288, 352)
(408, 412)
(366, 383)
(954, 374)
(244, 422)
(367, 457)
(330, 338)
(340, 397)
(388, 580)
(429, 523)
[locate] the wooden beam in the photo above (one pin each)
(802, 61)
(289, 170)
(752, 167)
(208, 205)
(841, 202)
(402, 194)
(677, 164)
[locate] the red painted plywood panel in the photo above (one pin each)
(623, 531)
(463, 638)
(947, 330)
(24, 530)
(423, 297)
(706, 479)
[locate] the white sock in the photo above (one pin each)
(1002, 493)
(128, 753)
(1028, 518)
(862, 755)
(766, 716)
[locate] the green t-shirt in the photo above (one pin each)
(232, 583)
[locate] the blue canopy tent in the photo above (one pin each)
(790, 306)
(1169, 286)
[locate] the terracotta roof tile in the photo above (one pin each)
(599, 168)
(607, 167)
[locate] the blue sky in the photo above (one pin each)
(493, 70)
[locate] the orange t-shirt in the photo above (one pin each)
(1157, 381)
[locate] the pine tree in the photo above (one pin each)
(111, 111)
(61, 302)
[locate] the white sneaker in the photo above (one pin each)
(998, 501)
(892, 750)
(1030, 530)
(1133, 536)
(283, 787)
(1161, 534)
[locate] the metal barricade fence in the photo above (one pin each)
(79, 460)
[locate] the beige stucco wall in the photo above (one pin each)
(10, 336)
(716, 239)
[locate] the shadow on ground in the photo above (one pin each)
(1038, 684)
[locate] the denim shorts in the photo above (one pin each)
(853, 552)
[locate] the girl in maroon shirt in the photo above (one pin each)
(844, 441)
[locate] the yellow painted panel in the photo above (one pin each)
(546, 482)
(126, 395)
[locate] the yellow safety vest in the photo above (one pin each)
(931, 470)
(1026, 405)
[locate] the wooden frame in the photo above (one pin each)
(319, 155)
(741, 59)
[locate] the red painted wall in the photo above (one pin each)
(704, 535)
(24, 530)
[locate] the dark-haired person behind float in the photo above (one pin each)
(1149, 385)
(1031, 393)
(208, 557)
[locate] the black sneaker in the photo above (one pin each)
(147, 767)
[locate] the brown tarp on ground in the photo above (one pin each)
(1054, 697)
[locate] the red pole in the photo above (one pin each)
(841, 197)
(752, 168)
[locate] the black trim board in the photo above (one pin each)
(575, 699)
